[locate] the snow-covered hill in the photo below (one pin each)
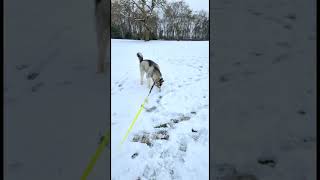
(170, 139)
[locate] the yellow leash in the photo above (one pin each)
(105, 141)
(134, 120)
(96, 155)
(136, 117)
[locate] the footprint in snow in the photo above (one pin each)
(291, 16)
(165, 125)
(37, 86)
(183, 146)
(299, 142)
(248, 73)
(255, 13)
(257, 54)
(149, 173)
(287, 26)
(223, 170)
(150, 109)
(147, 138)
(283, 44)
(195, 134)
(267, 161)
(173, 121)
(180, 119)
(22, 67)
(280, 58)
(15, 165)
(64, 83)
(238, 63)
(229, 172)
(158, 101)
(224, 78)
(32, 75)
(302, 112)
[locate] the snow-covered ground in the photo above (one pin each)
(179, 148)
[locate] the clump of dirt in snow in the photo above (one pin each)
(134, 155)
(173, 121)
(144, 138)
(180, 119)
(147, 138)
(268, 161)
(161, 135)
(165, 125)
(150, 109)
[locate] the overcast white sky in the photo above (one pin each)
(197, 4)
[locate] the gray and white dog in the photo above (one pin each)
(152, 71)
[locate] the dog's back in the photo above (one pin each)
(152, 70)
(147, 63)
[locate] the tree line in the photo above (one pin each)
(157, 19)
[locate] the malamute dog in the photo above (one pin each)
(152, 70)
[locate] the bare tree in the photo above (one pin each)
(147, 14)
(157, 19)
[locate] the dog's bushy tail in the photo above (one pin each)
(140, 56)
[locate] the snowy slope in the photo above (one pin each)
(171, 151)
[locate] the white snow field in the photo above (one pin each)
(170, 139)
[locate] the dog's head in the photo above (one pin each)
(159, 83)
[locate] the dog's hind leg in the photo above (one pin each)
(149, 82)
(141, 76)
